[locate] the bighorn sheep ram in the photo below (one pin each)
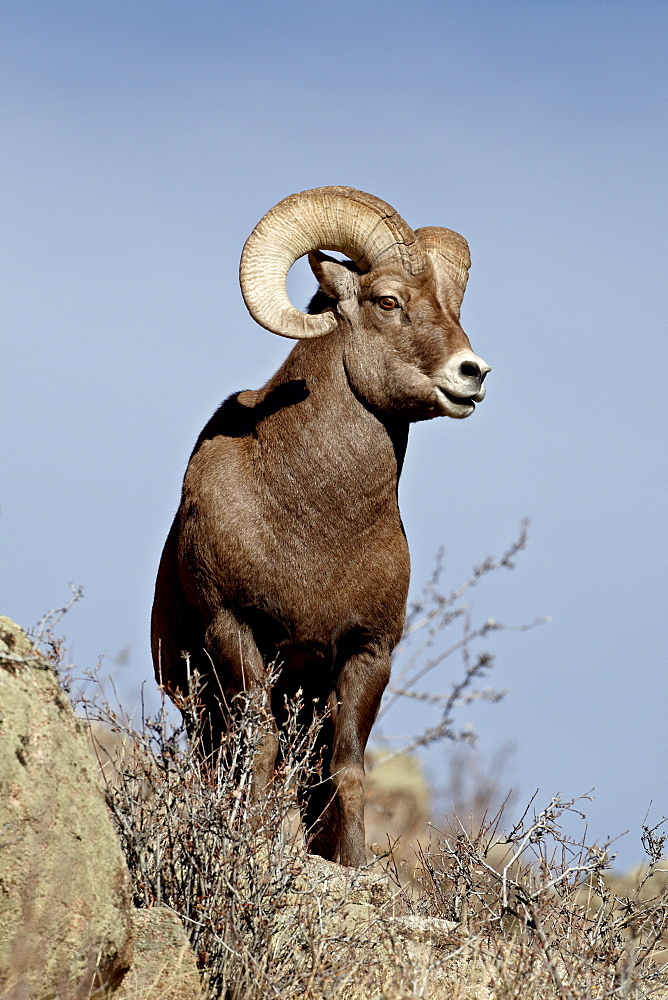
(288, 547)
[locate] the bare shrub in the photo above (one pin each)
(537, 911)
(541, 910)
(199, 841)
(44, 640)
(231, 860)
(426, 650)
(472, 786)
(423, 652)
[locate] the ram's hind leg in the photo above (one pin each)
(177, 630)
(236, 666)
(317, 799)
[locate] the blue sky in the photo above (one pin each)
(144, 140)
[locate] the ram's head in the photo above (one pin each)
(395, 302)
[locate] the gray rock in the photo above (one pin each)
(354, 914)
(164, 966)
(65, 895)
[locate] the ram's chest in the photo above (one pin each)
(331, 559)
(308, 532)
(320, 575)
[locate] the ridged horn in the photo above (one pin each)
(449, 252)
(342, 219)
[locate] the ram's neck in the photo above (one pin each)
(315, 430)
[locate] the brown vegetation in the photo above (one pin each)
(486, 909)
(510, 909)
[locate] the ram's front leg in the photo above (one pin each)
(359, 690)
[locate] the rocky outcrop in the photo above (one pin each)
(66, 915)
(355, 913)
(164, 966)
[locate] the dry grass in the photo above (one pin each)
(499, 908)
(521, 909)
(545, 914)
(231, 862)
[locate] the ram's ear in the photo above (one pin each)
(337, 279)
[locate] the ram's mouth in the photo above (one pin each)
(450, 405)
(458, 400)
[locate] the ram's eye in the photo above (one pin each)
(388, 302)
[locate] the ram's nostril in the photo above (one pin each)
(471, 369)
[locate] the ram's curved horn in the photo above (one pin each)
(343, 219)
(449, 254)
